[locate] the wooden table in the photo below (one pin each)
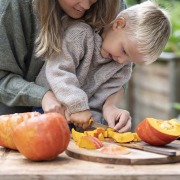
(13, 165)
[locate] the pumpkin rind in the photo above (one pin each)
(43, 137)
(7, 125)
(155, 132)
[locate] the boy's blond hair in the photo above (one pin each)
(150, 26)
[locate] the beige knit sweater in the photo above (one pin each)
(80, 77)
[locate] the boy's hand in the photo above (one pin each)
(119, 119)
(81, 119)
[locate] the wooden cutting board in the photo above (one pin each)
(135, 157)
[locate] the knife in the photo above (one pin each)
(92, 125)
(153, 149)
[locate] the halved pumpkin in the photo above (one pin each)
(158, 132)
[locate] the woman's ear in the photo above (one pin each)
(119, 23)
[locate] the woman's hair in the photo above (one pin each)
(149, 26)
(49, 14)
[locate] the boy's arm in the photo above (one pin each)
(114, 99)
(61, 71)
(109, 94)
(62, 75)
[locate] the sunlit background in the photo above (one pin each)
(154, 90)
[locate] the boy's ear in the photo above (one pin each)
(119, 23)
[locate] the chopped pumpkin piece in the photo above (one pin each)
(136, 137)
(101, 137)
(89, 133)
(76, 135)
(105, 134)
(98, 133)
(111, 134)
(89, 142)
(123, 137)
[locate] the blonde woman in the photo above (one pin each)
(32, 30)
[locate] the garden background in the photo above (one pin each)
(154, 90)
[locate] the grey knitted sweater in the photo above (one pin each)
(18, 64)
(80, 77)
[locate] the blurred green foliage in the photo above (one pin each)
(174, 41)
(132, 2)
(173, 7)
(176, 106)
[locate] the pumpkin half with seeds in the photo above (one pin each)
(158, 132)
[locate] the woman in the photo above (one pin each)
(24, 22)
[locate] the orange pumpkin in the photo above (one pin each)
(7, 125)
(42, 137)
(158, 132)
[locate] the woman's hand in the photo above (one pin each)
(51, 104)
(118, 119)
(81, 119)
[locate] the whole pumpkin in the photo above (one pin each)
(42, 137)
(7, 125)
(158, 132)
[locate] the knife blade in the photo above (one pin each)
(96, 125)
(92, 125)
(153, 149)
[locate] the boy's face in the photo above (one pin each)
(118, 46)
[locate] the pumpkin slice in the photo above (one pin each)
(143, 131)
(76, 135)
(136, 137)
(101, 137)
(98, 133)
(123, 137)
(89, 142)
(158, 132)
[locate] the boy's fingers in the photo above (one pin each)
(111, 123)
(125, 128)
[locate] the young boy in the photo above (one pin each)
(93, 66)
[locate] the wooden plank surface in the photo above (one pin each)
(13, 165)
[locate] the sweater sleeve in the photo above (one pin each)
(15, 35)
(111, 86)
(61, 71)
